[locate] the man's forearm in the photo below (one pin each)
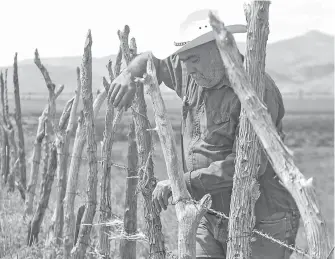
(138, 66)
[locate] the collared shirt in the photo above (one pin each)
(210, 124)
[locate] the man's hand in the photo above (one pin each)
(122, 91)
(161, 195)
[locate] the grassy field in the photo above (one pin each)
(309, 127)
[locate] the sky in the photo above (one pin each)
(59, 28)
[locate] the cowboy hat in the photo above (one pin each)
(195, 30)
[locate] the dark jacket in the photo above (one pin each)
(209, 130)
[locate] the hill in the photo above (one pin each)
(303, 63)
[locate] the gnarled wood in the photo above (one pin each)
(278, 154)
(188, 212)
(13, 158)
(21, 151)
(35, 224)
(62, 144)
(128, 247)
(105, 184)
(79, 250)
(52, 94)
(146, 173)
(36, 158)
(246, 189)
(71, 189)
(5, 142)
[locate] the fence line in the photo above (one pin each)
(222, 215)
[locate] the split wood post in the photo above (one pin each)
(36, 158)
(63, 137)
(8, 126)
(278, 154)
(52, 94)
(21, 149)
(128, 247)
(72, 185)
(105, 183)
(246, 188)
(44, 130)
(71, 189)
(11, 149)
(146, 172)
(79, 250)
(13, 157)
(46, 151)
(54, 237)
(189, 212)
(5, 141)
(35, 224)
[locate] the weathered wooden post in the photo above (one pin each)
(189, 212)
(21, 150)
(79, 250)
(105, 184)
(146, 172)
(5, 142)
(63, 138)
(128, 247)
(278, 154)
(248, 151)
(47, 116)
(72, 185)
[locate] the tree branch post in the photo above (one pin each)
(146, 172)
(21, 150)
(36, 158)
(246, 188)
(35, 224)
(79, 250)
(128, 247)
(278, 154)
(189, 212)
(5, 142)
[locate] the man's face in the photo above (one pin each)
(204, 64)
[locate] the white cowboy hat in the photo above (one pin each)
(194, 31)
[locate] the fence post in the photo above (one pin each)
(5, 142)
(79, 250)
(21, 151)
(189, 212)
(35, 223)
(248, 153)
(278, 154)
(128, 247)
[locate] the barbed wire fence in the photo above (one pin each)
(117, 222)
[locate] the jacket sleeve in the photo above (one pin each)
(173, 74)
(220, 174)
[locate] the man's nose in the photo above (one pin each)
(190, 68)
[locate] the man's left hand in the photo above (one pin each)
(161, 195)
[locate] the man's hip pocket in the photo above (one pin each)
(277, 226)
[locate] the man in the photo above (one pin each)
(210, 121)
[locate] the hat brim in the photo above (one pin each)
(202, 39)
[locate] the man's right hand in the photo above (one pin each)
(122, 91)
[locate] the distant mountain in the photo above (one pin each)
(304, 63)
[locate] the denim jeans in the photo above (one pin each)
(212, 236)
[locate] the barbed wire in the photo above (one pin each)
(142, 175)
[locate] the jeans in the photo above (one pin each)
(212, 236)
